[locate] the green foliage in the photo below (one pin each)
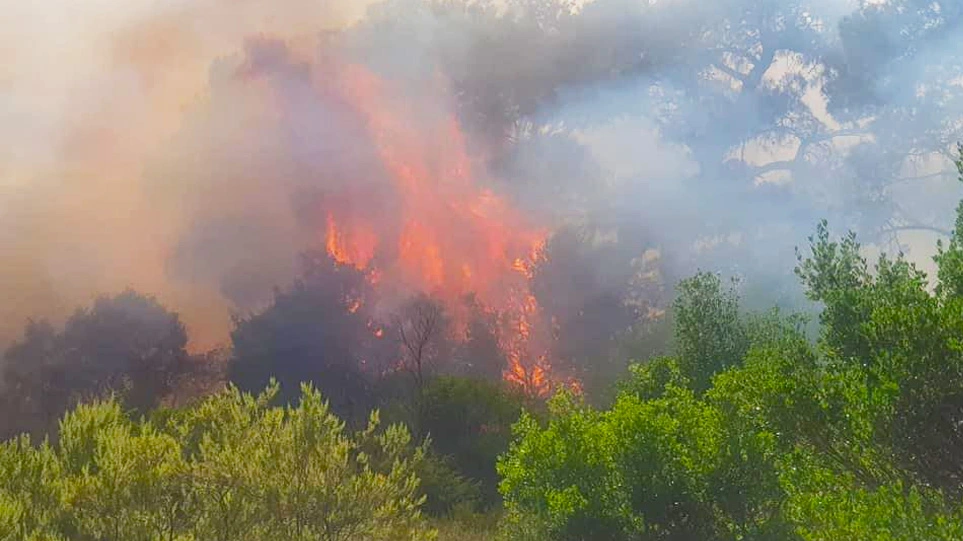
(898, 346)
(665, 468)
(556, 480)
(230, 468)
(949, 259)
(447, 491)
(783, 446)
(468, 526)
(709, 334)
(650, 380)
(30, 492)
(470, 421)
(834, 506)
(752, 431)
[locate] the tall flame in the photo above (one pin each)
(356, 250)
(454, 237)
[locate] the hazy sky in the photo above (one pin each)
(113, 143)
(89, 91)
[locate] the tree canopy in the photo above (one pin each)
(752, 431)
(127, 344)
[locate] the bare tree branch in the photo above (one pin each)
(919, 178)
(916, 227)
(721, 66)
(781, 165)
(420, 328)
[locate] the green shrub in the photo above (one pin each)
(229, 468)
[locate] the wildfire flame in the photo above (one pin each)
(357, 250)
(453, 237)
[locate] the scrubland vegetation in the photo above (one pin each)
(757, 426)
(566, 162)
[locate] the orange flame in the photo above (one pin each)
(356, 250)
(455, 237)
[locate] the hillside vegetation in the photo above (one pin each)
(757, 426)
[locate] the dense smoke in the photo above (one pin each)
(93, 97)
(192, 151)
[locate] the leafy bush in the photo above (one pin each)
(447, 490)
(229, 468)
(751, 431)
(470, 421)
(666, 468)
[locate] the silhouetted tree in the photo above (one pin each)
(594, 306)
(128, 344)
(317, 331)
(480, 356)
(34, 384)
(422, 329)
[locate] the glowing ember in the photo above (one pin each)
(452, 237)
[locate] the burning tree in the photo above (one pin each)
(448, 236)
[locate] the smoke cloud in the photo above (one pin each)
(191, 150)
(93, 96)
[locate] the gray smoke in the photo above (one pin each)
(186, 150)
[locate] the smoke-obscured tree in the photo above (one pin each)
(754, 431)
(786, 109)
(480, 355)
(888, 330)
(128, 344)
(201, 375)
(595, 308)
(423, 334)
(316, 331)
(897, 66)
(710, 334)
(34, 385)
